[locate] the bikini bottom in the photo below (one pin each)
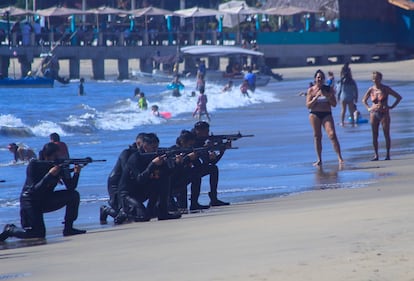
(379, 115)
(321, 114)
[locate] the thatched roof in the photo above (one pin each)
(329, 7)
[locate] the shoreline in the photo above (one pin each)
(360, 71)
(331, 234)
(334, 234)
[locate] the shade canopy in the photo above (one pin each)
(288, 11)
(241, 10)
(59, 11)
(197, 12)
(107, 11)
(151, 11)
(208, 51)
(14, 11)
(232, 10)
(404, 4)
(330, 8)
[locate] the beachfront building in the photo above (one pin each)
(316, 32)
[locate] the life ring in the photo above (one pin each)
(173, 86)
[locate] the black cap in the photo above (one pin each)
(201, 125)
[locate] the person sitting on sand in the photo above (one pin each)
(21, 153)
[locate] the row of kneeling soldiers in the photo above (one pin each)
(144, 173)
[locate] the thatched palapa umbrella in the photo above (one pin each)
(197, 12)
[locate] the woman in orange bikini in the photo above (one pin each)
(380, 111)
(320, 98)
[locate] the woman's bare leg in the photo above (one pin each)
(375, 127)
(328, 124)
(352, 109)
(317, 137)
(386, 122)
(343, 111)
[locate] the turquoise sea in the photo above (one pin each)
(277, 161)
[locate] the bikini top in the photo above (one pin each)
(378, 96)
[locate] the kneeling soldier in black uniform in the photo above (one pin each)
(146, 177)
(38, 197)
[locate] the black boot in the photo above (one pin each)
(214, 201)
(195, 206)
(73, 231)
(103, 215)
(121, 217)
(104, 212)
(69, 230)
(7, 231)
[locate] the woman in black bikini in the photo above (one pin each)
(319, 99)
(380, 111)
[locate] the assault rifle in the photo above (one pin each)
(65, 163)
(219, 139)
(75, 161)
(171, 153)
(174, 151)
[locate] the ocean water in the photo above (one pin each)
(277, 161)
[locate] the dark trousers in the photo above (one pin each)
(198, 173)
(114, 201)
(32, 210)
(179, 181)
(156, 191)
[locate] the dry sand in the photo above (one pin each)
(344, 234)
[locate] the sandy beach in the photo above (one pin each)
(340, 234)
(343, 234)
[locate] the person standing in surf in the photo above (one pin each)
(380, 111)
(201, 108)
(320, 98)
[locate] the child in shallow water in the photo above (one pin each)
(155, 111)
(244, 88)
(201, 108)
